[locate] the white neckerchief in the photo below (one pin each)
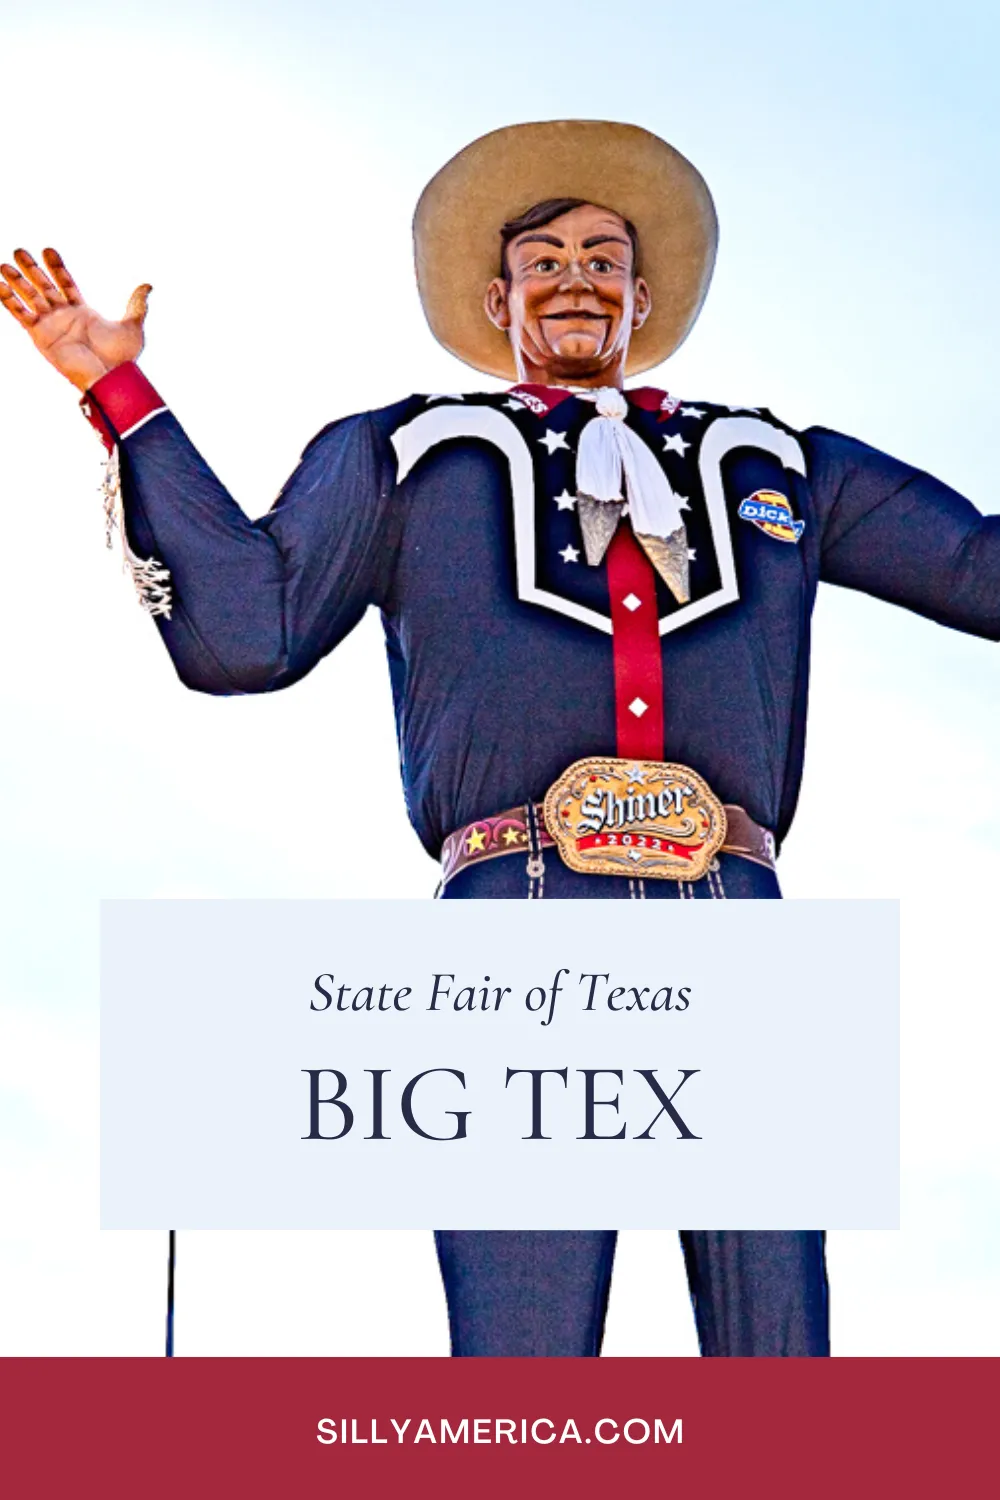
(613, 463)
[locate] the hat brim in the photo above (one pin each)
(456, 227)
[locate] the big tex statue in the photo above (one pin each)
(626, 719)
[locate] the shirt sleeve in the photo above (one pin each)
(898, 534)
(255, 604)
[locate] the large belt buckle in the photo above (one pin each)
(645, 818)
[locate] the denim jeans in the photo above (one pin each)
(531, 1292)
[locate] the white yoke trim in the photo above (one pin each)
(721, 437)
(448, 423)
(444, 423)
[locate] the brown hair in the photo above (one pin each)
(543, 213)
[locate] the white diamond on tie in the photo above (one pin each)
(637, 707)
(631, 602)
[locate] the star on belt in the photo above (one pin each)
(614, 467)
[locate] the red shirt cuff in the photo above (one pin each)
(120, 402)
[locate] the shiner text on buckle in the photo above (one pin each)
(646, 818)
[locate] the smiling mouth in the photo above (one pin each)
(574, 315)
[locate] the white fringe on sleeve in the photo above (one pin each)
(150, 577)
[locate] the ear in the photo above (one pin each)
(642, 302)
(496, 304)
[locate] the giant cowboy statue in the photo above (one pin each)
(627, 721)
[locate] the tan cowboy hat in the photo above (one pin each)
(456, 227)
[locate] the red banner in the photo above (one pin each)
(638, 841)
(485, 1427)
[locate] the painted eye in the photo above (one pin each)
(546, 264)
(601, 265)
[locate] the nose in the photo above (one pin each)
(575, 278)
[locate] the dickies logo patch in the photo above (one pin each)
(772, 514)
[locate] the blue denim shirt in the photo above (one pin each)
(495, 694)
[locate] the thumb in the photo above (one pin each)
(138, 304)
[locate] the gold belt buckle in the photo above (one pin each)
(645, 818)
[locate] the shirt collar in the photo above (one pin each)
(542, 399)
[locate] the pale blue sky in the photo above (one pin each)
(259, 162)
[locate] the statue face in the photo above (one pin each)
(572, 301)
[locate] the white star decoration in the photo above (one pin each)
(514, 405)
(446, 396)
(554, 440)
(565, 501)
(692, 555)
(691, 411)
(634, 774)
(683, 503)
(675, 444)
(570, 554)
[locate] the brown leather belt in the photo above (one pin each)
(507, 833)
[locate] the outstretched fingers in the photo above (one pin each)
(24, 315)
(61, 276)
(28, 291)
(42, 283)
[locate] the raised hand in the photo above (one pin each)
(81, 344)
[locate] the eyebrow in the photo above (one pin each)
(550, 239)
